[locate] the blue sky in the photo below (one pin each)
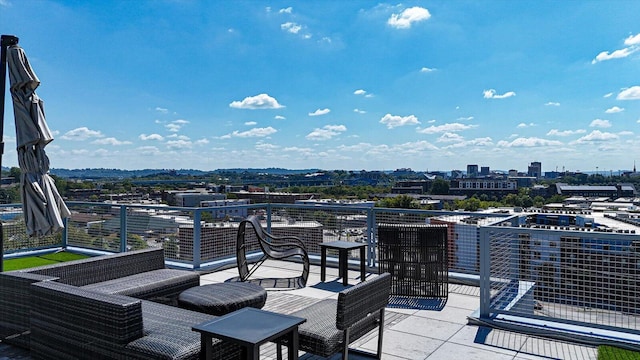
(428, 85)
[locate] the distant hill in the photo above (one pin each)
(125, 174)
(121, 174)
(272, 171)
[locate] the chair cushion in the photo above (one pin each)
(319, 335)
(168, 335)
(223, 298)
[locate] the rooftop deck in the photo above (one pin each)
(409, 334)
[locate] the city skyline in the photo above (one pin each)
(427, 85)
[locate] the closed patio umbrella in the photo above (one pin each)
(42, 205)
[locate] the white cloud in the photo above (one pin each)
(359, 111)
(176, 136)
(266, 146)
(406, 18)
(600, 123)
(320, 112)
(291, 27)
(262, 101)
(450, 137)
(279, 117)
(110, 141)
(145, 137)
(614, 110)
(427, 70)
(523, 125)
(359, 92)
(451, 127)
(596, 135)
(202, 141)
(327, 132)
(552, 103)
(607, 95)
(393, 121)
(336, 127)
(486, 141)
(529, 142)
(632, 93)
(556, 132)
(179, 144)
(255, 132)
(618, 54)
(287, 10)
(162, 110)
(468, 118)
(173, 127)
(251, 123)
(632, 40)
(632, 43)
(148, 150)
(176, 125)
(414, 147)
(81, 133)
(491, 94)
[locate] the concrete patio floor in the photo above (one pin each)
(409, 333)
(416, 334)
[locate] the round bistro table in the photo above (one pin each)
(223, 298)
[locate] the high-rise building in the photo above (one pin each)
(535, 169)
(472, 171)
(484, 171)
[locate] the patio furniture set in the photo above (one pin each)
(129, 306)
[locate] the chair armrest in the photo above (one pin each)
(361, 300)
(15, 303)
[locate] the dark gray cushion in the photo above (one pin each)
(223, 298)
(150, 284)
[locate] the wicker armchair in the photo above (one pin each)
(273, 247)
(332, 325)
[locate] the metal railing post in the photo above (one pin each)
(65, 233)
(485, 273)
(123, 228)
(371, 244)
(197, 240)
(269, 209)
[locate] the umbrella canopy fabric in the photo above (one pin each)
(42, 205)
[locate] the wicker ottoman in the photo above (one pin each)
(223, 298)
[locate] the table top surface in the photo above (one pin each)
(342, 244)
(250, 326)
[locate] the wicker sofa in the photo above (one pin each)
(69, 322)
(137, 274)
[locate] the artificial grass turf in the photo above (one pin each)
(45, 259)
(606, 352)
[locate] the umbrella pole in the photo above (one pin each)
(5, 42)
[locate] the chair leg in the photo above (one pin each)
(380, 332)
(255, 267)
(345, 341)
